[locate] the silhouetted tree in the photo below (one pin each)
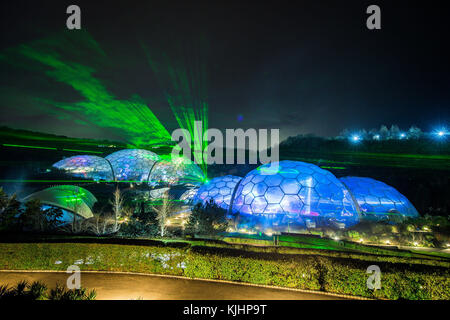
(208, 219)
(9, 210)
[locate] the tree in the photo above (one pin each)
(117, 206)
(163, 212)
(384, 132)
(141, 222)
(35, 219)
(32, 218)
(9, 210)
(52, 218)
(415, 133)
(208, 219)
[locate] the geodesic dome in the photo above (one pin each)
(220, 190)
(86, 166)
(71, 198)
(293, 194)
(188, 195)
(377, 200)
(132, 164)
(176, 171)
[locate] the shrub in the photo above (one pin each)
(208, 219)
(38, 291)
(61, 293)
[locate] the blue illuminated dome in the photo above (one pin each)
(377, 200)
(132, 164)
(220, 190)
(86, 166)
(294, 195)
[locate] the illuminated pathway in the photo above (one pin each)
(111, 286)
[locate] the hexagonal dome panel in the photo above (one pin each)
(220, 190)
(175, 171)
(132, 164)
(294, 193)
(86, 166)
(378, 200)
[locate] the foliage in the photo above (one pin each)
(62, 293)
(34, 218)
(38, 291)
(9, 209)
(208, 219)
(141, 222)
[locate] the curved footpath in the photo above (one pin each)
(126, 286)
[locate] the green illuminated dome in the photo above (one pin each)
(70, 198)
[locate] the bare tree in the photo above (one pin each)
(162, 213)
(100, 226)
(117, 204)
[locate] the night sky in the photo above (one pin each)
(304, 67)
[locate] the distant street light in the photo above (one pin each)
(355, 138)
(441, 133)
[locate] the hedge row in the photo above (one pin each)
(314, 272)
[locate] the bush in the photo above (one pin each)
(61, 293)
(38, 291)
(208, 219)
(9, 209)
(141, 223)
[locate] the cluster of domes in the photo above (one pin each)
(284, 195)
(133, 165)
(291, 194)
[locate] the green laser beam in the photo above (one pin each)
(133, 118)
(31, 147)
